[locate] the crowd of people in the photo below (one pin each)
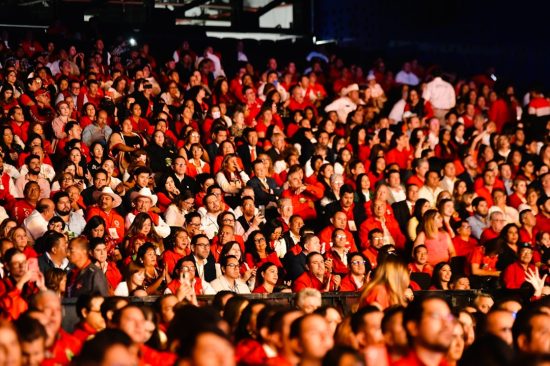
(123, 175)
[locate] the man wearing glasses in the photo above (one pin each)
(202, 258)
(359, 268)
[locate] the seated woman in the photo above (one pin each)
(441, 276)
(225, 148)
(124, 142)
(166, 191)
(155, 278)
(438, 242)
(18, 236)
(258, 252)
(133, 280)
(180, 206)
(161, 152)
(267, 277)
(231, 179)
(179, 247)
(142, 225)
(483, 264)
(196, 165)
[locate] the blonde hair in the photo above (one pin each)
(394, 276)
(429, 226)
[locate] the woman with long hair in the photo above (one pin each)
(267, 277)
(441, 276)
(389, 285)
(439, 243)
(143, 225)
(258, 252)
(154, 275)
(133, 280)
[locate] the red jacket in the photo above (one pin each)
(66, 346)
(83, 331)
(152, 357)
(391, 224)
(13, 301)
(112, 221)
(348, 284)
(514, 275)
(307, 280)
(303, 202)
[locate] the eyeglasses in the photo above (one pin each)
(188, 268)
(232, 265)
(260, 240)
(442, 317)
(228, 220)
(357, 263)
(340, 236)
(204, 245)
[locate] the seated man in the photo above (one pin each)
(338, 221)
(389, 226)
(302, 195)
(143, 200)
(86, 277)
(316, 276)
(359, 268)
(88, 309)
(184, 277)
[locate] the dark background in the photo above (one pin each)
(463, 36)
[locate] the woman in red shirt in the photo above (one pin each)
(258, 252)
(266, 278)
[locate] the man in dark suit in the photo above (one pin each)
(278, 145)
(182, 181)
(265, 188)
(249, 151)
(203, 259)
(219, 135)
(403, 210)
(295, 259)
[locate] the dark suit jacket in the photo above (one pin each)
(209, 268)
(402, 214)
(359, 214)
(295, 265)
(274, 155)
(263, 197)
(244, 154)
(212, 151)
(186, 184)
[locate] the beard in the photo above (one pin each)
(34, 171)
(63, 213)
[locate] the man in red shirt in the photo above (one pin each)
(373, 245)
(88, 309)
(316, 276)
(429, 324)
(359, 268)
(61, 346)
(514, 275)
(302, 195)
(528, 230)
(338, 221)
(107, 201)
(388, 225)
(496, 223)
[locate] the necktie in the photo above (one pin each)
(252, 154)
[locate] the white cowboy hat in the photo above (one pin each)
(109, 192)
(350, 88)
(144, 192)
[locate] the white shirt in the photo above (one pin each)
(209, 225)
(408, 78)
(440, 93)
(342, 106)
(36, 225)
(46, 171)
(162, 228)
(397, 194)
(221, 284)
(396, 113)
(428, 194)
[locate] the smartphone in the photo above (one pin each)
(261, 210)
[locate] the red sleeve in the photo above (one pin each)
(13, 304)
